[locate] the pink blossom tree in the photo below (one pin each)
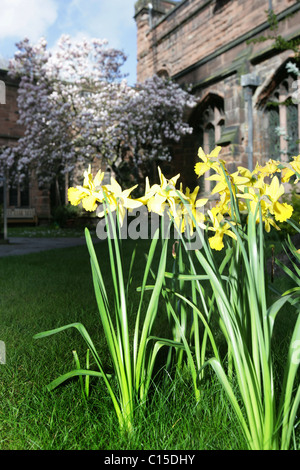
(76, 106)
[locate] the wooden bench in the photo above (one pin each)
(21, 216)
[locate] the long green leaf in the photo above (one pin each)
(82, 330)
(202, 318)
(291, 369)
(216, 365)
(150, 257)
(74, 373)
(150, 314)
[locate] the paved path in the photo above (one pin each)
(23, 246)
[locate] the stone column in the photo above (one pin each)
(249, 82)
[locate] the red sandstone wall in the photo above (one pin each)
(195, 29)
(10, 131)
(207, 47)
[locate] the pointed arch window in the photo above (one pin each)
(274, 139)
(292, 122)
(283, 118)
(208, 123)
(210, 127)
(211, 137)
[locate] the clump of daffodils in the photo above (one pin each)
(243, 188)
(262, 186)
(158, 198)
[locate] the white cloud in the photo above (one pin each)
(26, 18)
(105, 19)
(109, 19)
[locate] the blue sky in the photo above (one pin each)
(109, 19)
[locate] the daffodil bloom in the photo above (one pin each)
(196, 205)
(295, 164)
(287, 173)
(291, 169)
(221, 228)
(208, 161)
(119, 199)
(223, 205)
(149, 191)
(188, 217)
(75, 195)
(181, 213)
(90, 202)
(281, 211)
(90, 194)
(158, 197)
(268, 222)
(256, 197)
(90, 182)
(256, 179)
(198, 214)
(237, 183)
(235, 180)
(269, 168)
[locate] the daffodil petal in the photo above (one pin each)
(216, 242)
(282, 211)
(89, 203)
(132, 203)
(201, 202)
(201, 168)
(75, 195)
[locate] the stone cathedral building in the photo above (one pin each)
(210, 45)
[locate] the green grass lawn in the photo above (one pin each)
(44, 231)
(50, 289)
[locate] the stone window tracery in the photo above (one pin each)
(208, 122)
(211, 126)
(283, 116)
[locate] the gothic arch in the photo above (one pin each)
(163, 73)
(208, 120)
(271, 83)
(281, 114)
(210, 99)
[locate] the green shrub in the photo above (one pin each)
(62, 213)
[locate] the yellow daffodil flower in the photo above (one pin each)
(182, 218)
(223, 205)
(287, 173)
(90, 182)
(75, 195)
(119, 199)
(198, 214)
(268, 222)
(291, 169)
(269, 168)
(90, 194)
(208, 161)
(256, 179)
(221, 228)
(235, 180)
(159, 196)
(281, 211)
(295, 164)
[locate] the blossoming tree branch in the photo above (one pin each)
(76, 106)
